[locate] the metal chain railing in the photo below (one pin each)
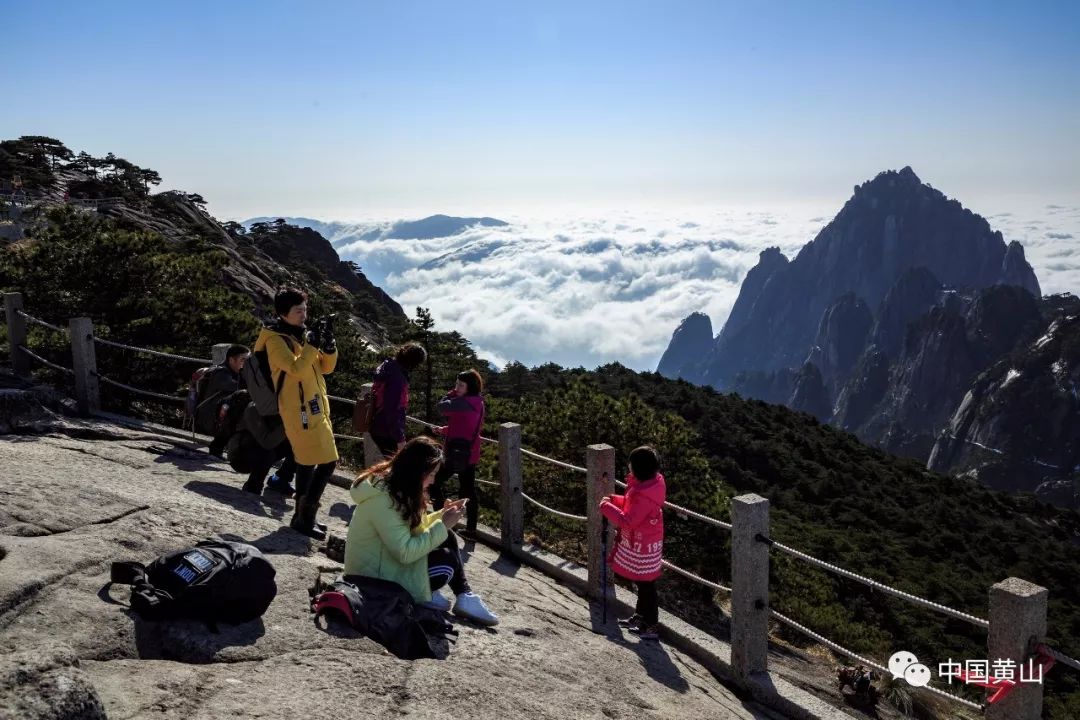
(45, 362)
(158, 353)
(39, 321)
(915, 599)
(870, 663)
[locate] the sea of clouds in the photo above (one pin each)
(602, 287)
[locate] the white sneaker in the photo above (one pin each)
(470, 606)
(438, 602)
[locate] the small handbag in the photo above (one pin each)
(459, 450)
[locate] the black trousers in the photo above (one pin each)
(311, 480)
(266, 461)
(445, 568)
(648, 605)
(467, 482)
(387, 445)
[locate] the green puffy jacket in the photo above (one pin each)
(380, 543)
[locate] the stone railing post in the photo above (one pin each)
(749, 585)
(513, 518)
(84, 362)
(599, 481)
(372, 454)
(16, 332)
(217, 352)
(1017, 624)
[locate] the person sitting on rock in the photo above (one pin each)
(392, 537)
(214, 390)
(391, 388)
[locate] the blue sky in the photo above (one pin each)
(351, 110)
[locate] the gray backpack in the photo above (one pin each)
(263, 388)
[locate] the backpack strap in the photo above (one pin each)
(281, 378)
(147, 600)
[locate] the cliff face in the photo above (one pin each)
(892, 316)
(893, 224)
(692, 339)
(1018, 426)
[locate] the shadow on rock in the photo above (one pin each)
(652, 655)
(191, 640)
(283, 541)
(273, 505)
(189, 459)
(341, 510)
(182, 639)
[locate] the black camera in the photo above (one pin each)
(325, 325)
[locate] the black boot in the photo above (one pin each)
(303, 519)
(254, 485)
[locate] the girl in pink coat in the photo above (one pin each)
(639, 549)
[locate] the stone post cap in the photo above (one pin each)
(1018, 587)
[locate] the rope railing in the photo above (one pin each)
(45, 362)
(553, 511)
(147, 351)
(914, 599)
(679, 509)
(696, 578)
(869, 663)
(1060, 657)
(39, 321)
(552, 461)
(433, 426)
(138, 391)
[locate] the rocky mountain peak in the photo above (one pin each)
(691, 340)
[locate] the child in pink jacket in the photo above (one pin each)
(639, 549)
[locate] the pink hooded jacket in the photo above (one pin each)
(639, 516)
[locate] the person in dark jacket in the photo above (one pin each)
(391, 389)
(217, 385)
(270, 445)
(463, 408)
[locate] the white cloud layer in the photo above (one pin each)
(613, 286)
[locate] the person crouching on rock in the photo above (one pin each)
(304, 356)
(639, 517)
(392, 536)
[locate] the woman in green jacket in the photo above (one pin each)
(392, 537)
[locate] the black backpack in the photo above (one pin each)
(215, 581)
(383, 611)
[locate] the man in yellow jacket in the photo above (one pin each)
(298, 359)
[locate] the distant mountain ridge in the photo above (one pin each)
(885, 322)
(433, 226)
